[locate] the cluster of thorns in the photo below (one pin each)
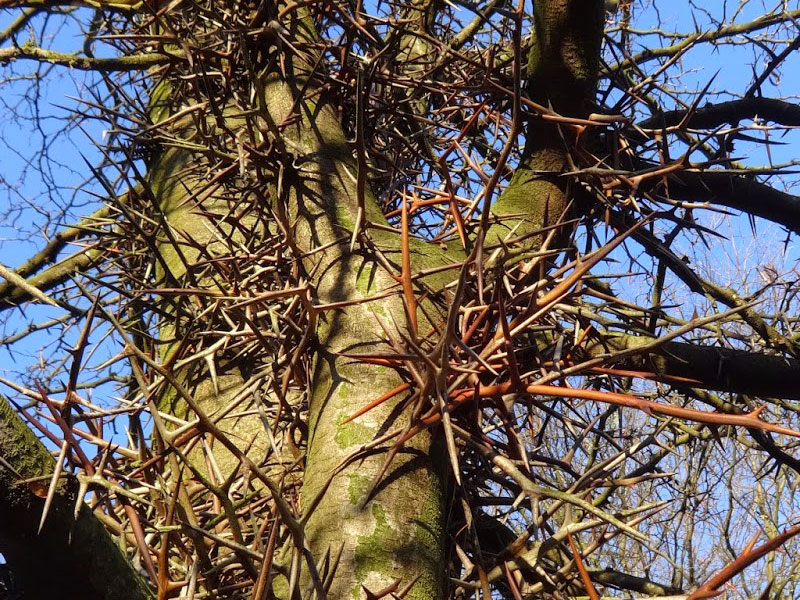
(513, 394)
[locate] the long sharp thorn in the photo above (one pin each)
(51, 491)
(587, 582)
(408, 286)
(378, 401)
(451, 444)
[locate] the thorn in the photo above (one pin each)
(53, 483)
(378, 401)
(587, 582)
(715, 434)
(82, 489)
(212, 369)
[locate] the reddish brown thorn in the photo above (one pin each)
(512, 583)
(587, 582)
(87, 465)
(138, 534)
(379, 400)
(646, 375)
(747, 557)
(648, 406)
(582, 268)
(405, 275)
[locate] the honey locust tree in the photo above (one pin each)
(410, 299)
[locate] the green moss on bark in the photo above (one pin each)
(370, 551)
(352, 433)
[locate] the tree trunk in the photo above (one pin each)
(399, 533)
(362, 541)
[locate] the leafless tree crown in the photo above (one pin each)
(402, 299)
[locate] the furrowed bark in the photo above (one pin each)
(73, 559)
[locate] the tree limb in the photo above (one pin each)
(722, 369)
(624, 581)
(78, 556)
(740, 193)
(117, 5)
(12, 294)
(714, 115)
(707, 36)
(135, 62)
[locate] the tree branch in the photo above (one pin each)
(78, 556)
(740, 193)
(722, 369)
(714, 115)
(117, 5)
(85, 63)
(12, 294)
(624, 581)
(709, 36)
